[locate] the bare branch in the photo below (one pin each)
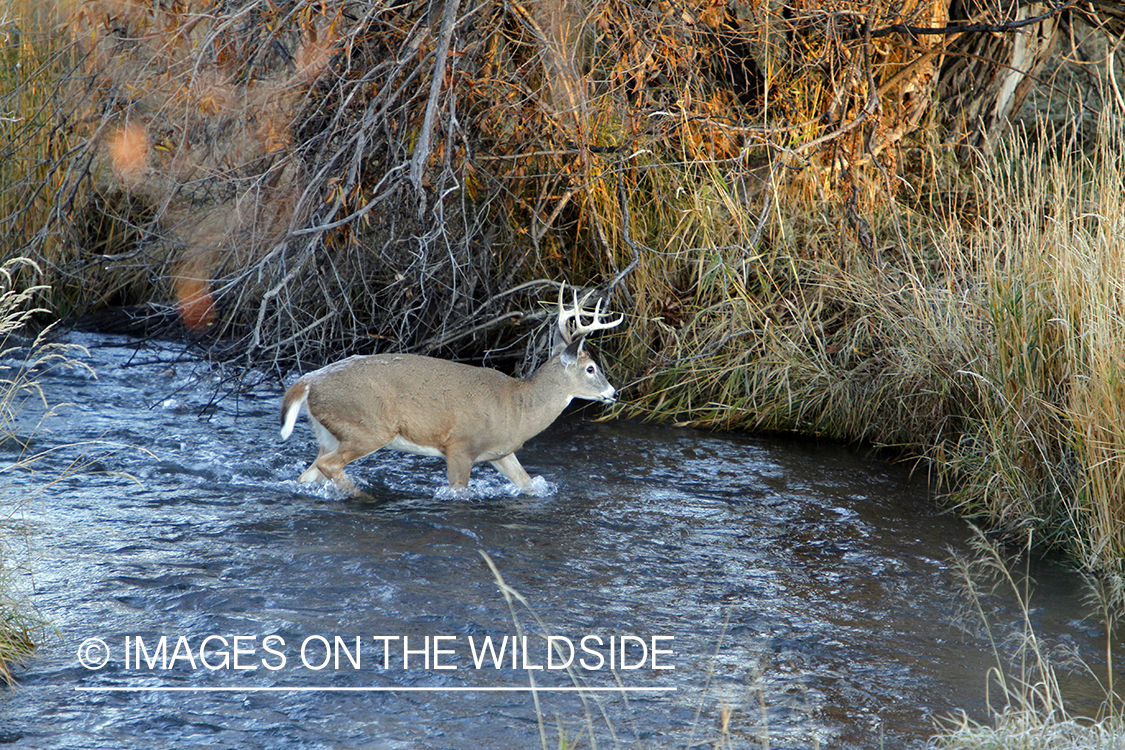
(967, 28)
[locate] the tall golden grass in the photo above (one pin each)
(989, 343)
(33, 51)
(1047, 446)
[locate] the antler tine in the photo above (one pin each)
(575, 312)
(596, 323)
(565, 315)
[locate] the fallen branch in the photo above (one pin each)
(965, 28)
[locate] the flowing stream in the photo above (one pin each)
(745, 588)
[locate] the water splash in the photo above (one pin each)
(489, 488)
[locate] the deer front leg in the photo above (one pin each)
(510, 467)
(458, 466)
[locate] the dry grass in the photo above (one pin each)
(34, 59)
(1027, 703)
(988, 343)
(25, 361)
(1045, 446)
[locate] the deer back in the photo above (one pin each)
(427, 402)
(436, 404)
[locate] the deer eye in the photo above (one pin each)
(590, 369)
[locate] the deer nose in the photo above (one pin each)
(609, 395)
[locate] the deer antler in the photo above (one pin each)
(576, 312)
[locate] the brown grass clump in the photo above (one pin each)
(1045, 449)
(996, 354)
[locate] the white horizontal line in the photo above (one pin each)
(368, 689)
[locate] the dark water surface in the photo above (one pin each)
(804, 590)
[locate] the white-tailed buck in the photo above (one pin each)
(435, 407)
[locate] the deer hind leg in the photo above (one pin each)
(328, 444)
(313, 475)
(336, 453)
(330, 465)
(510, 467)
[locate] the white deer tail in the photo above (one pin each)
(291, 405)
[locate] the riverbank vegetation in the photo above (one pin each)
(17, 626)
(1030, 708)
(816, 216)
(994, 351)
(24, 358)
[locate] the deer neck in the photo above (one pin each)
(543, 396)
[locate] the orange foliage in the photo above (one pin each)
(315, 53)
(128, 152)
(192, 291)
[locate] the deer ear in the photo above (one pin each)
(558, 342)
(569, 355)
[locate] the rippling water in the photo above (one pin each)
(803, 589)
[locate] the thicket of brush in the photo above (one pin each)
(315, 178)
(802, 238)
